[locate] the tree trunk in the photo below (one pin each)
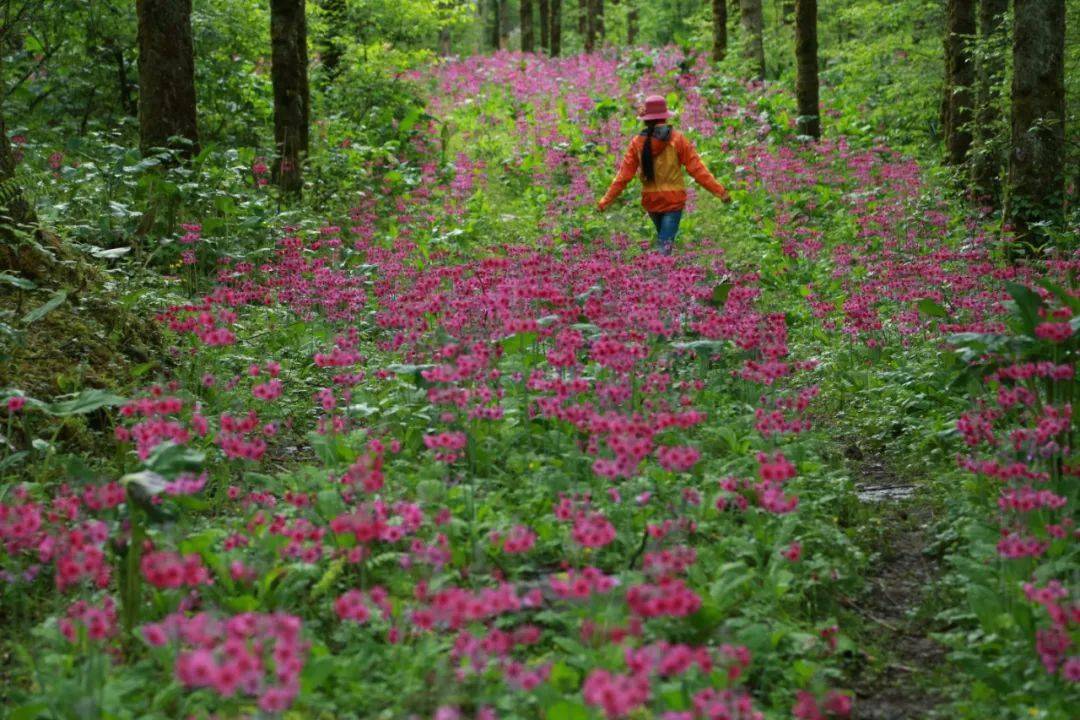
(753, 48)
(806, 68)
(527, 42)
(987, 162)
(631, 23)
(330, 44)
(493, 28)
(959, 77)
(1036, 159)
(127, 102)
(596, 21)
(545, 25)
(289, 65)
(556, 27)
(504, 23)
(583, 25)
(719, 30)
(166, 76)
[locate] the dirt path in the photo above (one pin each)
(899, 659)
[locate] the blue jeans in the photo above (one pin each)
(667, 227)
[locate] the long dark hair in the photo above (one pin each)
(647, 165)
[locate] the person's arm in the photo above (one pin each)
(627, 169)
(692, 162)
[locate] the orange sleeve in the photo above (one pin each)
(692, 162)
(627, 169)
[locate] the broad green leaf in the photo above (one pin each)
(85, 402)
(21, 283)
(45, 308)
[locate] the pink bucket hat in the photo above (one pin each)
(655, 109)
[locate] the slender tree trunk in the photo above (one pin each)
(166, 76)
(504, 23)
(719, 30)
(631, 22)
(556, 27)
(583, 28)
(527, 42)
(127, 102)
(806, 68)
(987, 162)
(959, 77)
(289, 66)
(596, 21)
(545, 25)
(753, 47)
(493, 28)
(1036, 159)
(330, 44)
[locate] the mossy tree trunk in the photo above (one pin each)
(545, 25)
(806, 68)
(289, 71)
(988, 160)
(959, 78)
(719, 30)
(752, 22)
(166, 76)
(1036, 158)
(527, 41)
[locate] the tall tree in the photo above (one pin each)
(1036, 158)
(330, 43)
(583, 24)
(631, 22)
(959, 77)
(504, 23)
(527, 41)
(494, 28)
(719, 30)
(806, 68)
(289, 72)
(545, 25)
(752, 24)
(596, 21)
(555, 32)
(166, 75)
(987, 161)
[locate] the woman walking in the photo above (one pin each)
(661, 152)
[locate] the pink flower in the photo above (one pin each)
(15, 403)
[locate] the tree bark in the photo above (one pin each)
(987, 162)
(596, 21)
(583, 25)
(959, 78)
(527, 42)
(545, 25)
(631, 23)
(556, 27)
(1036, 158)
(289, 66)
(806, 68)
(753, 47)
(719, 30)
(166, 76)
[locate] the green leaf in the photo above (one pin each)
(44, 309)
(719, 295)
(21, 283)
(85, 402)
(30, 711)
(568, 710)
(929, 307)
(518, 342)
(1028, 304)
(170, 459)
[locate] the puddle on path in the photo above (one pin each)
(884, 493)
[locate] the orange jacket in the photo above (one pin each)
(668, 191)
